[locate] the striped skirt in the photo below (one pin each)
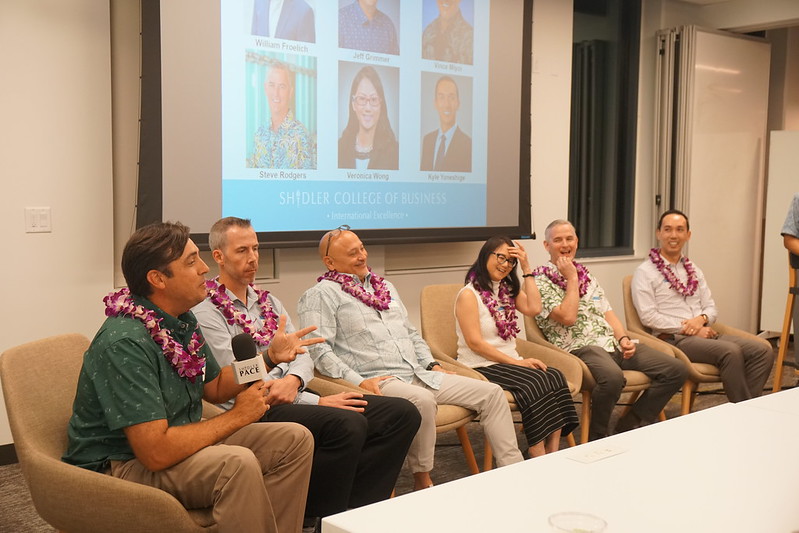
(542, 396)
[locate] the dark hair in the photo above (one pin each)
(674, 212)
(384, 135)
(217, 237)
(152, 247)
(482, 280)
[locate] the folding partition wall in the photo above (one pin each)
(711, 144)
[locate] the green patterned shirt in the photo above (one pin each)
(591, 328)
(126, 380)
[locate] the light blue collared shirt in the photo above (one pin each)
(362, 342)
(218, 334)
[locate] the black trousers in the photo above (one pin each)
(357, 456)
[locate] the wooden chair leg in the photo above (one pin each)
(488, 456)
(687, 397)
(471, 462)
(786, 331)
(585, 419)
(662, 416)
(633, 397)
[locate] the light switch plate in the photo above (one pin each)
(37, 220)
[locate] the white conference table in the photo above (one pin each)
(728, 469)
(785, 401)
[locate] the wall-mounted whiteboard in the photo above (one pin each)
(783, 182)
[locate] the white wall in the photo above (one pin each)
(55, 150)
(783, 162)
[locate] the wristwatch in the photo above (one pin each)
(431, 365)
(268, 360)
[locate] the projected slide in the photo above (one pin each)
(370, 113)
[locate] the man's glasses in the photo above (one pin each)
(501, 259)
(335, 232)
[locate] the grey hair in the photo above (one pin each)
(556, 222)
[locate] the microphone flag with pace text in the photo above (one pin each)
(248, 366)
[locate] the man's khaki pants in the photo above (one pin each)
(256, 479)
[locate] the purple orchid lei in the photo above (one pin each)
(263, 336)
(381, 298)
(691, 283)
(583, 277)
(185, 361)
(502, 308)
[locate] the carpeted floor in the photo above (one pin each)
(17, 514)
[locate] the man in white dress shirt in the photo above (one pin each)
(674, 301)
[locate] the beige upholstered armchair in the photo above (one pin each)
(697, 372)
(437, 307)
(636, 382)
(38, 412)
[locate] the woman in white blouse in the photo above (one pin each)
(487, 325)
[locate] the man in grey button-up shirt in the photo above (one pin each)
(370, 342)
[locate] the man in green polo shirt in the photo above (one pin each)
(138, 407)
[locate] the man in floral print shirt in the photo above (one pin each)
(577, 317)
(673, 299)
(285, 142)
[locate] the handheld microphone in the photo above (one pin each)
(248, 366)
